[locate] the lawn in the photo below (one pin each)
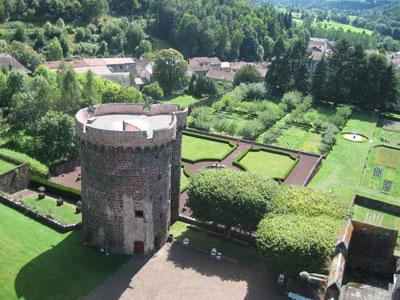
(183, 101)
(269, 164)
(65, 214)
(383, 164)
(200, 240)
(300, 139)
(196, 149)
(184, 181)
(6, 166)
(342, 170)
(38, 263)
(346, 27)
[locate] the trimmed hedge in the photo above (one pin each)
(305, 201)
(230, 198)
(210, 138)
(56, 189)
(21, 158)
(290, 244)
(295, 159)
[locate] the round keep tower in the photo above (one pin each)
(128, 159)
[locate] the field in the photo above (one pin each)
(345, 27)
(196, 149)
(65, 213)
(300, 139)
(5, 166)
(183, 101)
(39, 263)
(382, 171)
(268, 164)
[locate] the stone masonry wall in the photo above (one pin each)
(16, 179)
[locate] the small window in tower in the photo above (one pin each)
(139, 214)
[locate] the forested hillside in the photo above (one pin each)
(228, 29)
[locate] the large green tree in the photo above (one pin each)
(169, 70)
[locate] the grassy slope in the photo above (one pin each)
(37, 263)
(197, 148)
(335, 25)
(183, 101)
(65, 214)
(268, 164)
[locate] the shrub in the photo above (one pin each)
(290, 244)
(253, 91)
(34, 165)
(250, 130)
(309, 202)
(153, 90)
(269, 117)
(232, 128)
(230, 198)
(272, 135)
(247, 74)
(290, 100)
(221, 125)
(328, 138)
(202, 118)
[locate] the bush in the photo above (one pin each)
(309, 202)
(34, 165)
(230, 198)
(202, 118)
(272, 135)
(253, 91)
(290, 244)
(269, 117)
(328, 138)
(154, 91)
(247, 74)
(250, 130)
(290, 100)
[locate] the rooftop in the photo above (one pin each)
(128, 122)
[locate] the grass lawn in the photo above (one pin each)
(65, 213)
(196, 148)
(341, 171)
(200, 240)
(6, 166)
(388, 160)
(184, 181)
(183, 101)
(38, 263)
(267, 163)
(300, 139)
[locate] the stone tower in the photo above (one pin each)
(130, 161)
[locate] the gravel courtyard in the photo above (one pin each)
(179, 273)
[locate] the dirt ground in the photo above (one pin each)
(178, 273)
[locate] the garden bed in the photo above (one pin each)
(197, 148)
(300, 139)
(268, 162)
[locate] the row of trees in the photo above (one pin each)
(296, 227)
(348, 75)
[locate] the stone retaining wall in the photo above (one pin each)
(16, 179)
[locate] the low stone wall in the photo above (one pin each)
(10, 202)
(16, 179)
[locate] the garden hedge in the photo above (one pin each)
(306, 201)
(21, 158)
(210, 138)
(290, 244)
(295, 159)
(230, 198)
(56, 189)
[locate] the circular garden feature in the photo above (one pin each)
(355, 137)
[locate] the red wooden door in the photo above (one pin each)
(139, 247)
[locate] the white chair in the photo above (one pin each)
(213, 253)
(281, 279)
(219, 256)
